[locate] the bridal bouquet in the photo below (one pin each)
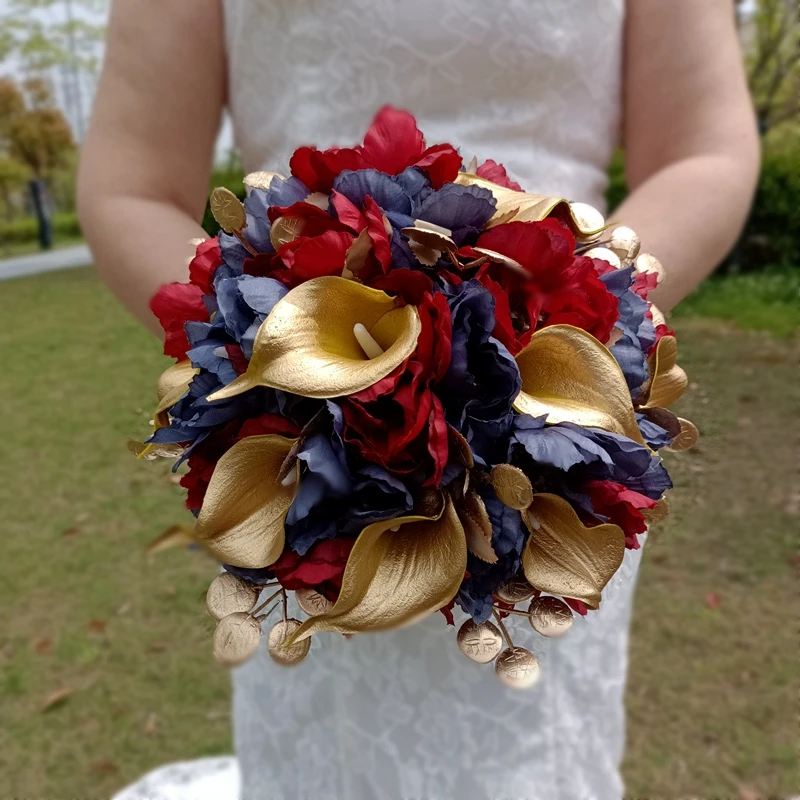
(403, 384)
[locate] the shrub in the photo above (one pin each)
(772, 233)
(25, 230)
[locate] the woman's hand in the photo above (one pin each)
(146, 161)
(691, 146)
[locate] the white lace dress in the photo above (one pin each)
(534, 84)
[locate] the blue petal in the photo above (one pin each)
(385, 191)
(464, 210)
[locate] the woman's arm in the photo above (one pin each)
(146, 162)
(692, 151)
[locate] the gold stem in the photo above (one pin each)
(503, 629)
(266, 614)
(284, 602)
(247, 246)
(513, 611)
(266, 602)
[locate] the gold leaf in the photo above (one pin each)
(604, 254)
(394, 578)
(430, 236)
(477, 527)
(515, 590)
(686, 438)
(287, 655)
(568, 375)
(504, 261)
(658, 316)
(480, 643)
(174, 536)
(664, 419)
(514, 206)
(307, 346)
(657, 514)
(463, 452)
(647, 263)
(261, 180)
(517, 668)
(149, 452)
(512, 486)
(236, 638)
(667, 380)
(241, 521)
(625, 243)
(228, 210)
(285, 230)
(550, 616)
(172, 385)
(358, 253)
(229, 594)
(564, 557)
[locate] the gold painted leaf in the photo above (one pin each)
(261, 180)
(152, 451)
(228, 210)
(667, 380)
(657, 514)
(512, 486)
(568, 375)
(174, 536)
(241, 521)
(394, 578)
(514, 206)
(285, 230)
(172, 385)
(686, 438)
(307, 346)
(564, 557)
(477, 526)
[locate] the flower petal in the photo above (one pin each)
(307, 346)
(668, 381)
(565, 558)
(394, 578)
(568, 375)
(515, 206)
(172, 385)
(242, 518)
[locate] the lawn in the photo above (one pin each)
(105, 666)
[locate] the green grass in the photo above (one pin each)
(768, 300)
(712, 705)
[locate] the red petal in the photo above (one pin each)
(175, 304)
(268, 423)
(441, 163)
(318, 169)
(492, 171)
(393, 141)
(237, 358)
(204, 264)
(308, 258)
(410, 284)
(504, 328)
(437, 442)
(376, 230)
(347, 213)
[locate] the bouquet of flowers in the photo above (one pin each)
(404, 384)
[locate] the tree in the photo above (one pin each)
(771, 39)
(33, 131)
(59, 41)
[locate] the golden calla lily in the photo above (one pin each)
(668, 381)
(568, 375)
(514, 206)
(172, 385)
(395, 577)
(241, 521)
(564, 557)
(307, 345)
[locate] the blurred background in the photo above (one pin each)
(105, 658)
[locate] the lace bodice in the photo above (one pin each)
(533, 84)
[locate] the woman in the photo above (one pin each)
(540, 86)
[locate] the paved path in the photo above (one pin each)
(51, 260)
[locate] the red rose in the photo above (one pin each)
(559, 288)
(203, 266)
(323, 563)
(392, 144)
(399, 422)
(622, 507)
(175, 304)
